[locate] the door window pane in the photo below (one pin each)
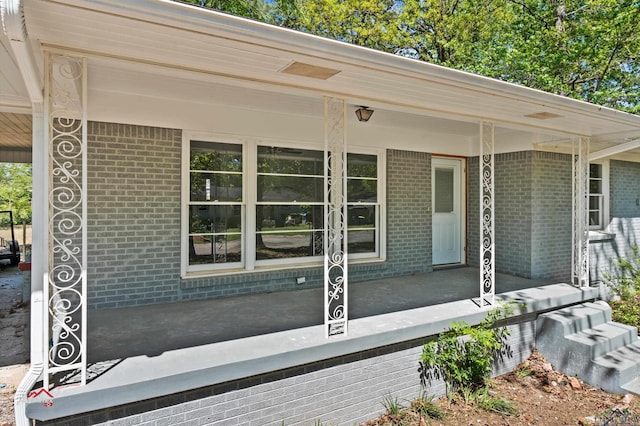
(443, 190)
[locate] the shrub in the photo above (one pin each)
(462, 355)
(626, 287)
(626, 283)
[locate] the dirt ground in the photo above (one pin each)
(14, 346)
(542, 396)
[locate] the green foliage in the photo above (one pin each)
(625, 285)
(492, 404)
(462, 355)
(15, 192)
(425, 407)
(626, 311)
(523, 372)
(391, 405)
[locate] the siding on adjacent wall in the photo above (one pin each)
(624, 179)
(342, 391)
(134, 223)
(532, 214)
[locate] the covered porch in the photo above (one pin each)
(177, 353)
(154, 329)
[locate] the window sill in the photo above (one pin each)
(300, 268)
(600, 236)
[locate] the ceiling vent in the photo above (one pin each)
(543, 115)
(308, 70)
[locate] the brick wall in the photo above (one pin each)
(341, 391)
(133, 214)
(624, 225)
(532, 214)
(408, 218)
(551, 213)
(134, 223)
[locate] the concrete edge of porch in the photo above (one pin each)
(142, 377)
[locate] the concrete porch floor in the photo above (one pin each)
(154, 329)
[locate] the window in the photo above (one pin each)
(290, 203)
(598, 195)
(362, 205)
(215, 204)
(253, 205)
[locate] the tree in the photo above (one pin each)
(15, 190)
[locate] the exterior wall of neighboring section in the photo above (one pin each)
(341, 391)
(532, 214)
(623, 231)
(134, 223)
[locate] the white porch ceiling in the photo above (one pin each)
(134, 45)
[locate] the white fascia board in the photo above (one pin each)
(261, 35)
(13, 22)
(617, 149)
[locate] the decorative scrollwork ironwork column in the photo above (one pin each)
(580, 243)
(487, 215)
(65, 109)
(335, 226)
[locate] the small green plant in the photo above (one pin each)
(523, 372)
(462, 355)
(391, 405)
(426, 408)
(492, 404)
(625, 284)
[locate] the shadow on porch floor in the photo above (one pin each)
(154, 329)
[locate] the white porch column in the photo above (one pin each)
(487, 215)
(580, 236)
(65, 295)
(335, 219)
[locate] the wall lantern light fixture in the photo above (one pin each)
(364, 113)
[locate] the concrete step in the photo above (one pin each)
(574, 319)
(618, 367)
(604, 338)
(582, 341)
(632, 387)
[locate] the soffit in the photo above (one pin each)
(198, 41)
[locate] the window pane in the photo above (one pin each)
(290, 188)
(209, 219)
(365, 190)
(215, 156)
(289, 217)
(594, 218)
(595, 186)
(362, 241)
(595, 170)
(443, 190)
(361, 216)
(362, 165)
(291, 161)
(303, 243)
(215, 187)
(211, 249)
(594, 203)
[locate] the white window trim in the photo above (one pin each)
(248, 262)
(605, 196)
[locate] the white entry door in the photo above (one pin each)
(447, 206)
